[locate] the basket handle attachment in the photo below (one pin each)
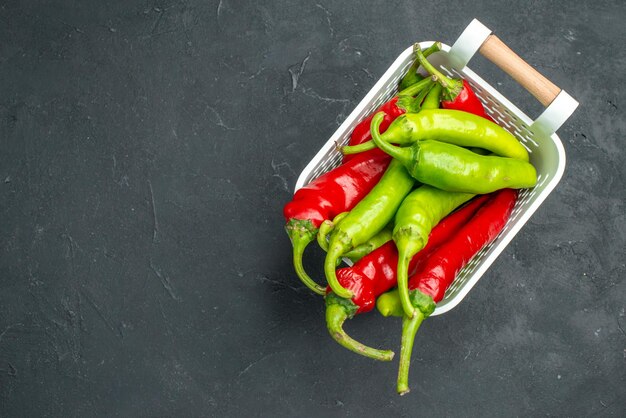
(478, 38)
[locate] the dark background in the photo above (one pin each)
(147, 150)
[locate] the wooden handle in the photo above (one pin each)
(497, 52)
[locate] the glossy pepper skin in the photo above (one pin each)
(361, 132)
(453, 127)
(435, 274)
(375, 274)
(366, 219)
(467, 101)
(456, 169)
(418, 214)
(457, 93)
(439, 270)
(334, 192)
(391, 108)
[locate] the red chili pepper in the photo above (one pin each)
(435, 274)
(457, 93)
(375, 274)
(432, 279)
(334, 192)
(361, 132)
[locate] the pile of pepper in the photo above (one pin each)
(427, 180)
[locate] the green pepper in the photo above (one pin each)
(419, 212)
(359, 251)
(366, 219)
(450, 126)
(388, 304)
(370, 245)
(456, 169)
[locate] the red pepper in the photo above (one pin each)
(457, 93)
(438, 271)
(467, 101)
(361, 132)
(334, 192)
(375, 274)
(435, 274)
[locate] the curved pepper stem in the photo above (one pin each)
(326, 228)
(451, 86)
(409, 330)
(412, 76)
(409, 243)
(403, 285)
(355, 149)
(322, 235)
(337, 311)
(402, 154)
(299, 243)
(418, 87)
(335, 251)
(301, 233)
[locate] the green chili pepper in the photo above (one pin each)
(388, 304)
(359, 251)
(414, 104)
(370, 245)
(419, 212)
(366, 219)
(456, 169)
(451, 126)
(433, 98)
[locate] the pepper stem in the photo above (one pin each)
(335, 250)
(412, 76)
(417, 87)
(401, 154)
(322, 235)
(412, 104)
(403, 285)
(326, 228)
(452, 86)
(355, 149)
(298, 251)
(336, 314)
(409, 330)
(301, 233)
(409, 243)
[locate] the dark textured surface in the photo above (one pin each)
(147, 149)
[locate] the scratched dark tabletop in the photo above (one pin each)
(147, 149)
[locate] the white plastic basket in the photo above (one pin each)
(538, 136)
